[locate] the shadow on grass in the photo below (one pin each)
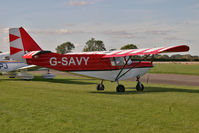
(61, 80)
(148, 90)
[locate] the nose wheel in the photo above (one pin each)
(139, 86)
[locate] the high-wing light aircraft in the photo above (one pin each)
(106, 65)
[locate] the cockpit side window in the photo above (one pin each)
(112, 61)
(6, 58)
(117, 61)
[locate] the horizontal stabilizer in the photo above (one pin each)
(31, 54)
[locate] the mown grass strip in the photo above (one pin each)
(175, 68)
(72, 104)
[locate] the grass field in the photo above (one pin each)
(175, 68)
(72, 105)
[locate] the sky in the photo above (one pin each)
(145, 23)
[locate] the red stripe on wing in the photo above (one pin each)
(147, 51)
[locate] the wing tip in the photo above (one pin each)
(179, 48)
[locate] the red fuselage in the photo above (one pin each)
(82, 62)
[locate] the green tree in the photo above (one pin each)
(166, 57)
(94, 45)
(195, 57)
(65, 48)
(187, 56)
(176, 56)
(129, 46)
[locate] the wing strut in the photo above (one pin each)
(118, 76)
(121, 75)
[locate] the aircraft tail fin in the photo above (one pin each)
(21, 43)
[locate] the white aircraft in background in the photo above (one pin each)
(10, 67)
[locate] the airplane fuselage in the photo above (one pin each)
(91, 65)
(8, 65)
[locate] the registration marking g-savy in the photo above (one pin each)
(69, 61)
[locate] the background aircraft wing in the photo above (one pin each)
(147, 51)
(26, 67)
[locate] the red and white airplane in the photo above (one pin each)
(105, 65)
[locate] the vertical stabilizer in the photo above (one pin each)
(21, 43)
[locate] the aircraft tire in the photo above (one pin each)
(139, 86)
(12, 76)
(100, 87)
(120, 88)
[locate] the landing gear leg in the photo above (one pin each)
(100, 86)
(120, 88)
(139, 86)
(48, 75)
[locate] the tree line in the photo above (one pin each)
(98, 45)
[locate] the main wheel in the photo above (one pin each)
(139, 86)
(12, 76)
(120, 88)
(100, 87)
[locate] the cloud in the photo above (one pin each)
(118, 33)
(139, 33)
(82, 2)
(94, 1)
(173, 38)
(78, 3)
(42, 31)
(56, 31)
(48, 31)
(4, 30)
(5, 40)
(138, 11)
(195, 9)
(159, 32)
(196, 6)
(149, 1)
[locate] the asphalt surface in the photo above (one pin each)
(174, 79)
